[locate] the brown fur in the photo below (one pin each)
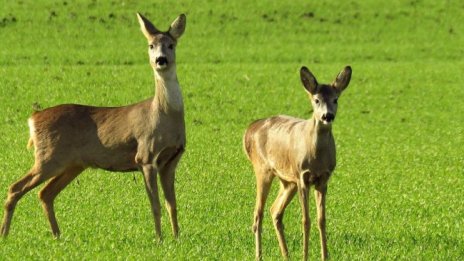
(300, 153)
(147, 136)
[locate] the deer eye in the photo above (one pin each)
(151, 46)
(336, 100)
(316, 101)
(171, 46)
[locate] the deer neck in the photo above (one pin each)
(319, 134)
(168, 96)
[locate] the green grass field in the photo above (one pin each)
(397, 192)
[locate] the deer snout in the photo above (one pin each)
(328, 117)
(161, 60)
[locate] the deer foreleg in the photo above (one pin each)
(303, 194)
(320, 195)
(151, 186)
(167, 177)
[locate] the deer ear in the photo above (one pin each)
(343, 79)
(148, 29)
(177, 27)
(308, 80)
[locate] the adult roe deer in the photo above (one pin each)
(300, 153)
(147, 136)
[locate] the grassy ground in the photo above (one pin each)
(398, 189)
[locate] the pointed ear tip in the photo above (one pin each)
(348, 67)
(182, 18)
(140, 17)
(304, 68)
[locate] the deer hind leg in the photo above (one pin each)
(48, 194)
(167, 177)
(286, 193)
(263, 185)
(320, 195)
(151, 186)
(303, 194)
(17, 190)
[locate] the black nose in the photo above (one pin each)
(329, 117)
(161, 60)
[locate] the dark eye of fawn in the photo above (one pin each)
(316, 101)
(151, 46)
(336, 100)
(171, 46)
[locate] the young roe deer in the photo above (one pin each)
(147, 136)
(300, 153)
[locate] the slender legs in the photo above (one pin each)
(263, 184)
(167, 177)
(303, 194)
(15, 193)
(37, 175)
(320, 195)
(151, 186)
(59, 179)
(286, 193)
(48, 194)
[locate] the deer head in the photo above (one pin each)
(324, 96)
(162, 45)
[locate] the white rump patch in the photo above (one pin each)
(30, 122)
